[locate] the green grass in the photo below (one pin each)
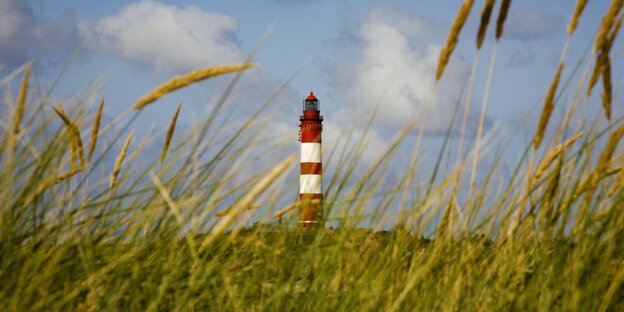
(343, 270)
(548, 242)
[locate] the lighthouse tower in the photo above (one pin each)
(310, 180)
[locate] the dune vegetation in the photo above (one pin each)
(76, 235)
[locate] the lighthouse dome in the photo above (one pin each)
(311, 97)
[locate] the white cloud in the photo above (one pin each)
(340, 132)
(396, 69)
(25, 36)
(167, 38)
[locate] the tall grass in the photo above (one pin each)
(147, 237)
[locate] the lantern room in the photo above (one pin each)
(311, 103)
(311, 109)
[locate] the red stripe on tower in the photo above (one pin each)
(311, 179)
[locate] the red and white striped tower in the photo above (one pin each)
(311, 178)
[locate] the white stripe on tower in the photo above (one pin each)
(310, 152)
(310, 184)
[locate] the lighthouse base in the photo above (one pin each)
(310, 210)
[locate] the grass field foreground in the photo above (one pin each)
(76, 234)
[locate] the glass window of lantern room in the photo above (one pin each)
(310, 105)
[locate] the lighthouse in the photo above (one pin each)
(311, 177)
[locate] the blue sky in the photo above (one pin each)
(320, 32)
(326, 37)
(354, 55)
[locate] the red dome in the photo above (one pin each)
(311, 97)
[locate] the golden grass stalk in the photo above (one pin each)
(73, 154)
(51, 182)
(502, 16)
(606, 83)
(600, 172)
(600, 59)
(616, 186)
(619, 182)
(486, 13)
(247, 200)
(292, 206)
(578, 10)
(443, 228)
(590, 181)
(615, 30)
(554, 181)
(64, 176)
(19, 111)
(224, 212)
(21, 101)
(549, 105)
(172, 125)
(286, 209)
(605, 66)
(119, 160)
(139, 148)
(74, 132)
(582, 186)
(552, 156)
(73, 150)
(187, 79)
(606, 154)
(602, 38)
(451, 39)
(176, 213)
(604, 41)
(612, 171)
(95, 130)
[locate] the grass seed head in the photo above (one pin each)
(119, 160)
(187, 79)
(602, 57)
(445, 223)
(549, 105)
(21, 101)
(502, 16)
(554, 181)
(170, 131)
(485, 20)
(600, 172)
(619, 182)
(605, 156)
(451, 39)
(95, 130)
(607, 95)
(578, 10)
(64, 176)
(552, 156)
(615, 31)
(75, 134)
(73, 154)
(19, 111)
(602, 38)
(51, 182)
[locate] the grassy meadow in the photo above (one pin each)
(77, 234)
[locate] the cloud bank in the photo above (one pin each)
(395, 70)
(24, 36)
(165, 37)
(162, 37)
